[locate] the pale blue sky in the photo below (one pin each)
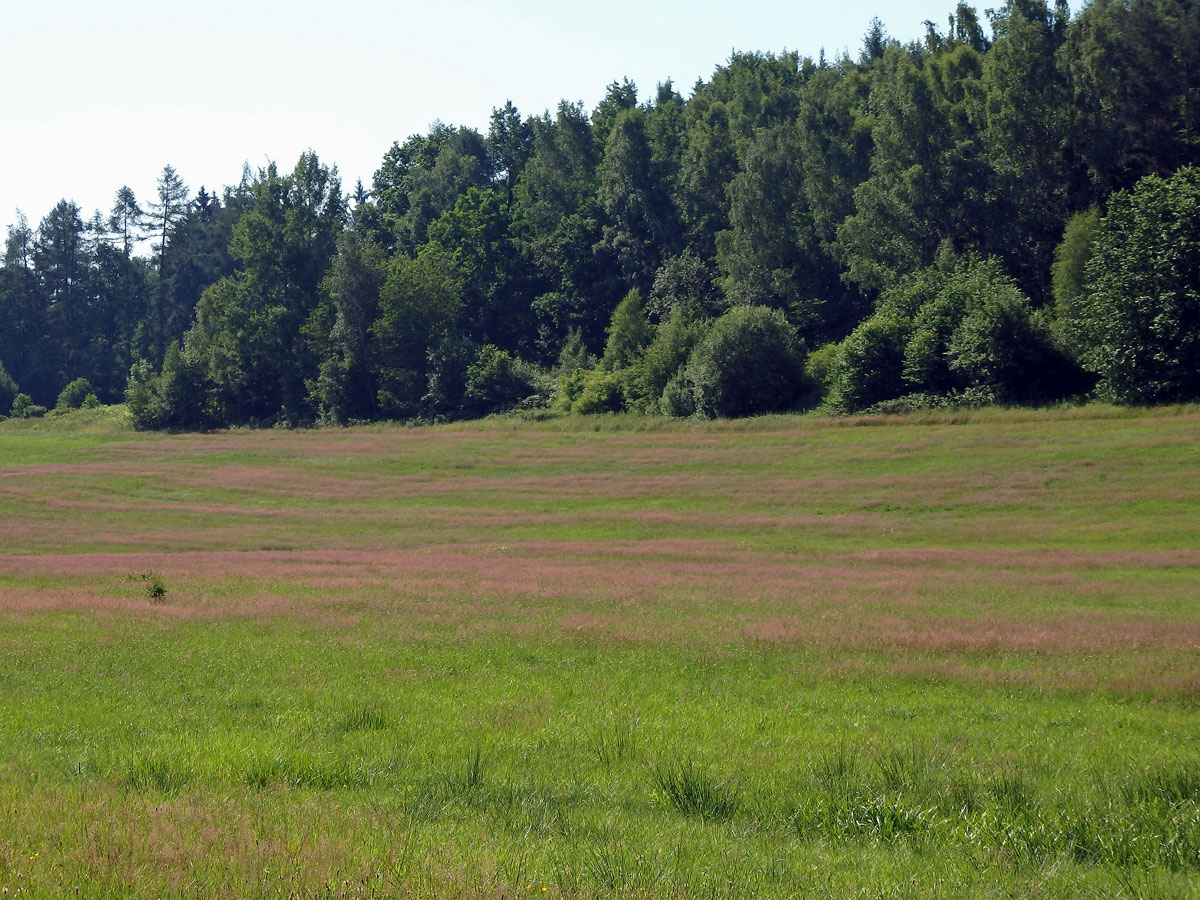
(97, 95)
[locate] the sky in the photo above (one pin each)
(103, 94)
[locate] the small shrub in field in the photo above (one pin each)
(76, 394)
(155, 587)
(23, 407)
(695, 792)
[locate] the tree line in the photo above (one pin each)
(1006, 210)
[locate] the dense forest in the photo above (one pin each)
(1007, 210)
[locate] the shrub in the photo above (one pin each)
(679, 396)
(869, 363)
(497, 381)
(673, 343)
(143, 396)
(819, 365)
(949, 331)
(23, 407)
(178, 398)
(1138, 323)
(75, 394)
(1001, 346)
(749, 362)
(446, 384)
(599, 391)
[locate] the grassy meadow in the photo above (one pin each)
(939, 656)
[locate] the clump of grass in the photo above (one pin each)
(159, 774)
(695, 792)
(1175, 784)
(834, 770)
(470, 778)
(364, 718)
(907, 767)
(613, 741)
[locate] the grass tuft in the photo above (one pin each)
(364, 718)
(693, 791)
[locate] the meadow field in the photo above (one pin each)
(940, 656)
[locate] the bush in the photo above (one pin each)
(749, 362)
(950, 330)
(179, 398)
(75, 394)
(819, 365)
(143, 396)
(497, 381)
(1138, 324)
(446, 384)
(868, 366)
(679, 396)
(593, 391)
(23, 407)
(1001, 346)
(673, 343)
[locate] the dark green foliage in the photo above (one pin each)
(179, 398)
(673, 343)
(422, 178)
(1139, 319)
(592, 391)
(1023, 114)
(1003, 347)
(143, 396)
(420, 305)
(771, 256)
(477, 234)
(819, 365)
(8, 390)
(509, 144)
(684, 281)
(340, 331)
(869, 364)
(960, 326)
(928, 176)
(249, 326)
(633, 200)
(842, 193)
(496, 381)
(1131, 70)
(749, 362)
(446, 383)
(708, 164)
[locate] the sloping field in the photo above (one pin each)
(945, 656)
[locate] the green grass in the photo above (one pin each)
(936, 656)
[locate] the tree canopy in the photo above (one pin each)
(986, 214)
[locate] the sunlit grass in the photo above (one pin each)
(949, 655)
